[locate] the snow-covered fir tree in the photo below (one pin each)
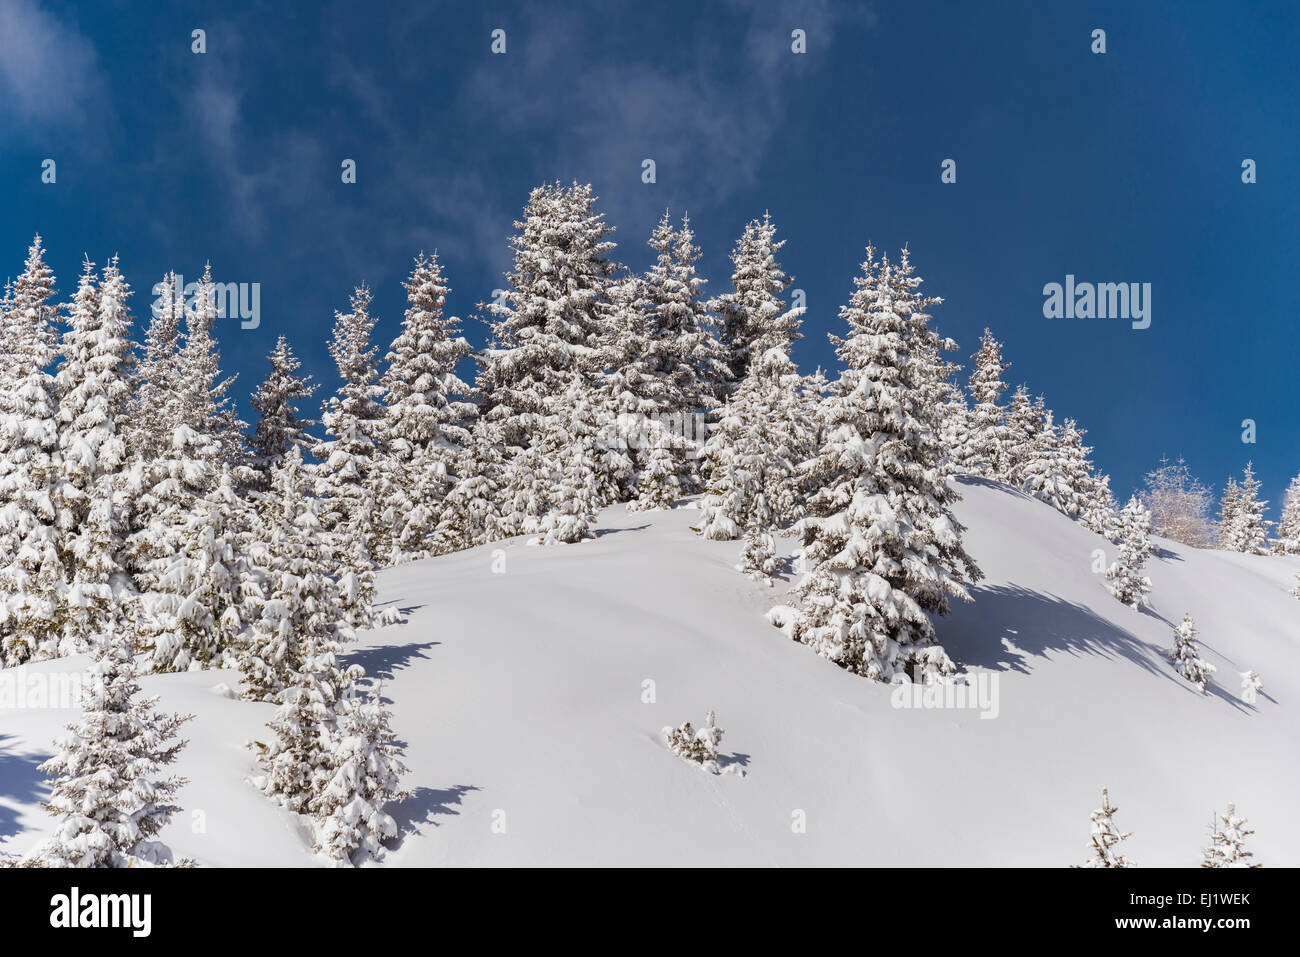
(1101, 514)
(1124, 578)
(299, 760)
(1228, 514)
(278, 427)
(551, 328)
(470, 514)
(367, 769)
(1023, 422)
(1060, 473)
(754, 317)
(204, 597)
(666, 364)
(881, 548)
(986, 433)
(297, 595)
(99, 591)
(173, 489)
(1243, 528)
(1228, 833)
(32, 576)
(954, 423)
(162, 498)
(154, 408)
(1186, 655)
(351, 458)
(205, 403)
(424, 427)
(1106, 837)
(1287, 541)
(550, 322)
(570, 445)
(94, 385)
(108, 788)
(753, 456)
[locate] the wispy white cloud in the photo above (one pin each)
(707, 118)
(49, 72)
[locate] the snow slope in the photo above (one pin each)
(520, 694)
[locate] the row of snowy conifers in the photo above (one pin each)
(130, 495)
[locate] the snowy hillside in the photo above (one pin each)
(519, 692)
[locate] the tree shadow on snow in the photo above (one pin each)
(1035, 625)
(425, 805)
(964, 479)
(20, 781)
(1145, 610)
(403, 610)
(384, 660)
(726, 760)
(602, 532)
(1225, 695)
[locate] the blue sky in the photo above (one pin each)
(1122, 167)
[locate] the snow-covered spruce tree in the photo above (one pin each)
(551, 326)
(1245, 529)
(954, 424)
(94, 383)
(424, 427)
(204, 598)
(1101, 513)
(109, 792)
(813, 392)
(351, 458)
(1228, 515)
(367, 770)
(1186, 655)
(1287, 541)
(986, 434)
(99, 591)
(753, 317)
(550, 322)
(1180, 505)
(205, 402)
(160, 496)
(171, 484)
(1228, 834)
(278, 427)
(32, 585)
(470, 514)
(753, 455)
(662, 456)
(881, 548)
(298, 761)
(154, 408)
(297, 595)
(570, 442)
(1060, 474)
(1124, 578)
(1023, 423)
(666, 363)
(1106, 837)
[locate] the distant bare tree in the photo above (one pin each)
(1180, 505)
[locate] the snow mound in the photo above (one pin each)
(531, 686)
